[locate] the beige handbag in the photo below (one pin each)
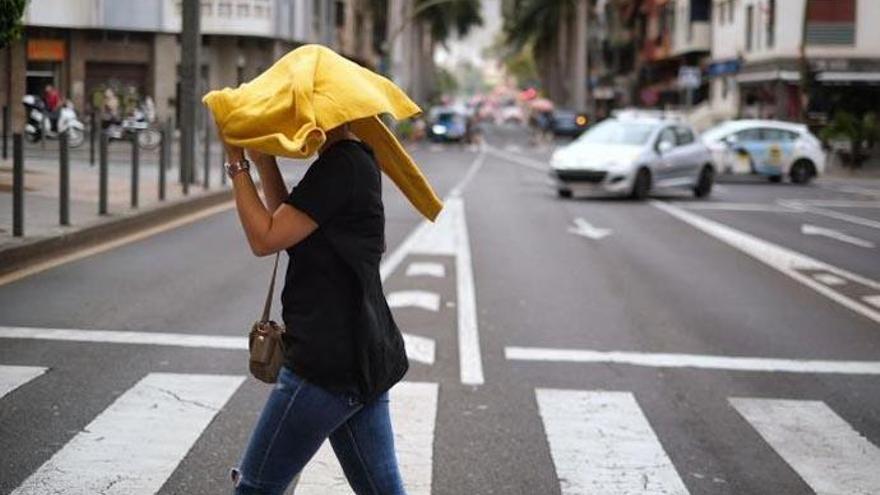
(265, 341)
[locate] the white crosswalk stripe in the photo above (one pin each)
(414, 299)
(12, 377)
(601, 442)
(425, 268)
(818, 444)
(413, 414)
(137, 442)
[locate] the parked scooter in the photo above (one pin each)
(40, 125)
(148, 137)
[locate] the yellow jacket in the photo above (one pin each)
(286, 110)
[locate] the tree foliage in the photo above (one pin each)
(11, 12)
(456, 17)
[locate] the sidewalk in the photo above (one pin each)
(44, 236)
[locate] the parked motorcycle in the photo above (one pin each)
(41, 125)
(148, 137)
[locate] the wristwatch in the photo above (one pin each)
(237, 167)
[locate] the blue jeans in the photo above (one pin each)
(296, 420)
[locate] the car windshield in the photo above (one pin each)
(618, 132)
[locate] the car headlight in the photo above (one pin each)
(438, 129)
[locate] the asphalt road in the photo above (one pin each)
(745, 326)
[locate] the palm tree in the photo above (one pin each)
(556, 29)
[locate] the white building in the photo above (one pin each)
(82, 46)
(755, 69)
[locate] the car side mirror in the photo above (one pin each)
(664, 147)
(730, 140)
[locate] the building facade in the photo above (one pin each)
(84, 47)
(757, 68)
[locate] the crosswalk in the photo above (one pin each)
(599, 441)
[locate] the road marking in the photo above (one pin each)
(417, 348)
(808, 229)
(583, 228)
(414, 299)
(838, 203)
(413, 414)
(448, 236)
(872, 300)
(428, 269)
(783, 259)
(829, 279)
(115, 243)
(668, 360)
(758, 207)
(831, 214)
(135, 444)
(601, 442)
(12, 377)
(821, 447)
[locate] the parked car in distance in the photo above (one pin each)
(633, 156)
(447, 124)
(565, 122)
(771, 148)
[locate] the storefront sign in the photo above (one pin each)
(723, 67)
(45, 50)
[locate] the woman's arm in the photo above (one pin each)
(274, 189)
(267, 233)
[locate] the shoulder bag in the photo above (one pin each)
(265, 340)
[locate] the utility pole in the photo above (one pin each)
(189, 72)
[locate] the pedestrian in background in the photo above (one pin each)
(342, 348)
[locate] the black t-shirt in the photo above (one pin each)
(340, 332)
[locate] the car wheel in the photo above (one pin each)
(775, 178)
(563, 193)
(801, 172)
(641, 185)
(705, 182)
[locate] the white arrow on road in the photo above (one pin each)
(583, 228)
(808, 229)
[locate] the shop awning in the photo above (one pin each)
(769, 76)
(848, 77)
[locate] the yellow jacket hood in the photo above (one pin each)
(286, 110)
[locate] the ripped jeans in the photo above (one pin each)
(296, 420)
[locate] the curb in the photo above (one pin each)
(39, 249)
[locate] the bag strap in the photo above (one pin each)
(267, 308)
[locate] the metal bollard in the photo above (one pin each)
(135, 169)
(17, 185)
(223, 167)
(63, 180)
(93, 130)
(164, 153)
(207, 180)
(102, 174)
(5, 131)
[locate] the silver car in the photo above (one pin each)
(633, 156)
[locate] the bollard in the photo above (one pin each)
(5, 131)
(93, 129)
(102, 174)
(164, 153)
(223, 167)
(135, 169)
(17, 185)
(207, 180)
(63, 180)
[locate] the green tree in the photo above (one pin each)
(861, 132)
(11, 12)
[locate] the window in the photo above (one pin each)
(683, 136)
(778, 135)
(749, 135)
(224, 9)
(667, 136)
(243, 10)
(750, 14)
(831, 22)
(771, 23)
